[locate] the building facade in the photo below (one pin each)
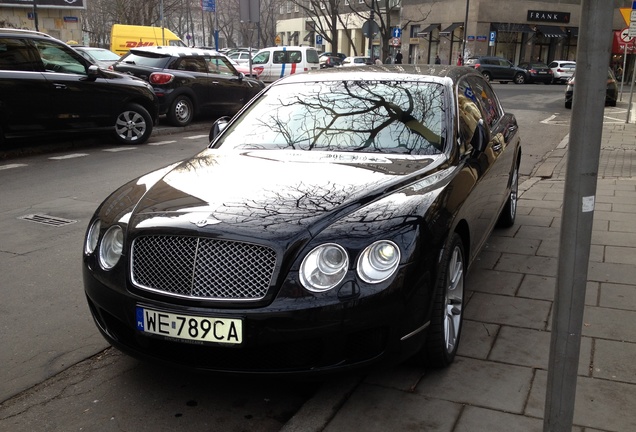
(58, 18)
(519, 30)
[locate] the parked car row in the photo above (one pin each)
(190, 81)
(47, 87)
(502, 70)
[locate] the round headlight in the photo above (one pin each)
(92, 237)
(378, 261)
(111, 247)
(324, 267)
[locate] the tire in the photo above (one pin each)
(447, 314)
(520, 78)
(181, 111)
(487, 76)
(509, 211)
(133, 125)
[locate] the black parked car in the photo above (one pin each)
(47, 87)
(497, 69)
(537, 72)
(329, 225)
(190, 81)
(329, 61)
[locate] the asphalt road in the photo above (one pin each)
(58, 372)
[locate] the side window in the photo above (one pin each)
(219, 65)
(469, 114)
(15, 55)
(192, 64)
(279, 57)
(261, 58)
(57, 58)
(487, 99)
(294, 56)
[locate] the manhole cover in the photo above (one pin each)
(47, 220)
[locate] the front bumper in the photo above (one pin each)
(288, 336)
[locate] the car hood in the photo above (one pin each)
(271, 193)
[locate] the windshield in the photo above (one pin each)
(365, 116)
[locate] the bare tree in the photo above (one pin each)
(384, 11)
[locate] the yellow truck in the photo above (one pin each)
(124, 37)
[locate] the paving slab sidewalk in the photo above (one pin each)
(498, 381)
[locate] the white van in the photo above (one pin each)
(277, 62)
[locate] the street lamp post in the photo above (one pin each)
(465, 31)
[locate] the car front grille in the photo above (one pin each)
(202, 268)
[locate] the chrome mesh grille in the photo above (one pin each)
(202, 268)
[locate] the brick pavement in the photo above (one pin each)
(498, 381)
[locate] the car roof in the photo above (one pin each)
(28, 32)
(404, 72)
(175, 51)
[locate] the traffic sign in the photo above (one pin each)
(632, 29)
(319, 40)
(397, 32)
(625, 36)
(396, 41)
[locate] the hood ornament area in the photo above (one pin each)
(204, 222)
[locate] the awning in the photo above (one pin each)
(512, 28)
(551, 31)
(448, 30)
(428, 29)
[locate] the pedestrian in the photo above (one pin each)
(460, 60)
(378, 61)
(437, 59)
(398, 58)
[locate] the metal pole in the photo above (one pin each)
(586, 128)
(35, 15)
(163, 33)
(465, 31)
(371, 27)
(624, 66)
(631, 92)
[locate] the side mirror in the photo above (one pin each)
(218, 127)
(481, 137)
(93, 72)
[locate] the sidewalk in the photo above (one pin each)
(498, 380)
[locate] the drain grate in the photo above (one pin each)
(47, 220)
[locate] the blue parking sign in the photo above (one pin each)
(493, 36)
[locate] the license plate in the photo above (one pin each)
(188, 327)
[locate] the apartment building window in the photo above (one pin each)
(323, 5)
(296, 7)
(289, 7)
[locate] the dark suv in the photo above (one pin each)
(190, 81)
(47, 87)
(497, 69)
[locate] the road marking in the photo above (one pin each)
(69, 156)
(4, 167)
(118, 149)
(197, 136)
(162, 143)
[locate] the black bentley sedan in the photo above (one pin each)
(329, 225)
(190, 81)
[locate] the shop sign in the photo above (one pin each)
(555, 17)
(470, 38)
(482, 38)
